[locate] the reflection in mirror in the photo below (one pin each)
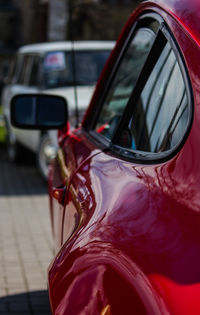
(38, 111)
(25, 110)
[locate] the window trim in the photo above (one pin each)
(152, 58)
(138, 156)
(159, 157)
(89, 125)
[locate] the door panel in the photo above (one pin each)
(140, 210)
(80, 202)
(74, 152)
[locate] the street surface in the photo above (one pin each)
(25, 240)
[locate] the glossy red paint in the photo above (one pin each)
(130, 233)
(182, 299)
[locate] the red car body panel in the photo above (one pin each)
(135, 229)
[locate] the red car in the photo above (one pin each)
(125, 186)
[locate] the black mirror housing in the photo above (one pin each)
(38, 111)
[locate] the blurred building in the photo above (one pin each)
(29, 21)
(8, 40)
(58, 20)
(8, 20)
(21, 22)
(117, 2)
(82, 19)
(99, 19)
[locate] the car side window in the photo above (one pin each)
(124, 81)
(146, 108)
(160, 115)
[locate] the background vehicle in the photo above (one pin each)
(124, 188)
(56, 68)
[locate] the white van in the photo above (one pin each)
(51, 68)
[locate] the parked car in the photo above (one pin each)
(125, 186)
(57, 68)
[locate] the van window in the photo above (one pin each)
(25, 69)
(34, 71)
(58, 68)
(12, 71)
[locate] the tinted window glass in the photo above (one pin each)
(124, 81)
(160, 116)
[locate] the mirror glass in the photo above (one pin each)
(38, 111)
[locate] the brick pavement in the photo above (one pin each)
(25, 240)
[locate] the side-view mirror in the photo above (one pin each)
(38, 111)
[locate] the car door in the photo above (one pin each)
(77, 149)
(124, 197)
(124, 193)
(148, 76)
(69, 158)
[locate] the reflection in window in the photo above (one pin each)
(160, 116)
(124, 81)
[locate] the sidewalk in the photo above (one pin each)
(25, 240)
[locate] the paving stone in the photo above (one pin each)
(26, 246)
